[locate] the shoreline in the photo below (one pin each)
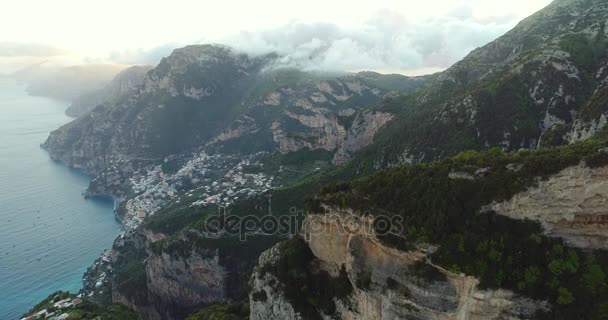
(51, 234)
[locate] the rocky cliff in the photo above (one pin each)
(387, 283)
(169, 278)
(571, 204)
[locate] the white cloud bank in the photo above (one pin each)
(386, 42)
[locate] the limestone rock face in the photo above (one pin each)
(172, 281)
(361, 134)
(342, 239)
(275, 307)
(572, 204)
(144, 311)
(186, 282)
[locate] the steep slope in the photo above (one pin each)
(122, 84)
(422, 242)
(210, 95)
(542, 83)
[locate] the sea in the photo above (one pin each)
(49, 233)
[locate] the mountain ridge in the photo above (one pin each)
(204, 93)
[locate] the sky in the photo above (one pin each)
(402, 36)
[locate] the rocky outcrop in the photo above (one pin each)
(186, 282)
(123, 83)
(582, 130)
(572, 204)
(172, 285)
(386, 283)
(361, 134)
(143, 311)
(274, 306)
(165, 277)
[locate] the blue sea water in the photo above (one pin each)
(49, 234)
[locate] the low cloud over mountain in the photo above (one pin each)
(387, 41)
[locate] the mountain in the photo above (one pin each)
(66, 83)
(123, 83)
(542, 83)
(210, 95)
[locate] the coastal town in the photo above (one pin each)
(204, 180)
(197, 181)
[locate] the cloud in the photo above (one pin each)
(15, 49)
(142, 56)
(387, 41)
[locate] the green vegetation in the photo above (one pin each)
(230, 311)
(305, 156)
(505, 104)
(85, 310)
(596, 105)
(308, 291)
(129, 270)
(501, 252)
(131, 279)
(391, 82)
(554, 136)
(585, 52)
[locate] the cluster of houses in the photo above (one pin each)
(57, 312)
(221, 180)
(235, 185)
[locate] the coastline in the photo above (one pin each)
(50, 233)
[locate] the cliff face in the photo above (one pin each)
(571, 204)
(361, 134)
(388, 283)
(169, 278)
(161, 285)
(186, 282)
(274, 306)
